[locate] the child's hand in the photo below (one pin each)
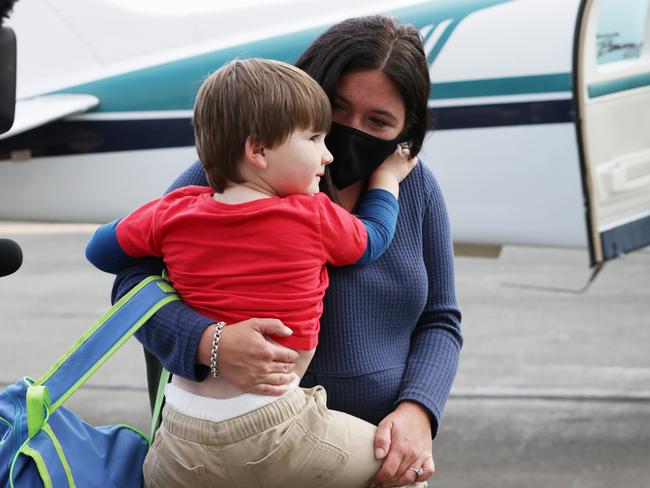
(398, 164)
(393, 170)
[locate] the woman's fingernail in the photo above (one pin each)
(379, 453)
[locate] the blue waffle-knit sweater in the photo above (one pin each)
(390, 330)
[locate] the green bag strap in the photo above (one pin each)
(104, 338)
(157, 409)
(38, 402)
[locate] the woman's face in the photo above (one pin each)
(368, 101)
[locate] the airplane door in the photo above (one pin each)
(612, 91)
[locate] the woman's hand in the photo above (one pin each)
(250, 361)
(403, 440)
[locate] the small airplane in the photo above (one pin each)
(540, 108)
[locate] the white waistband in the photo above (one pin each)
(215, 409)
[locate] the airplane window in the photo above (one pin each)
(621, 31)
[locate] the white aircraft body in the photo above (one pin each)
(541, 108)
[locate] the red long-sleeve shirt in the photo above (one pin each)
(264, 258)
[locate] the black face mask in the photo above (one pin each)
(356, 154)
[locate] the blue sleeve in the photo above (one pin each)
(194, 175)
(104, 251)
(378, 211)
(173, 333)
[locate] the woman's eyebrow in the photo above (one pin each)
(378, 111)
(385, 113)
(339, 98)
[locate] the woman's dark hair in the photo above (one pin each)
(375, 42)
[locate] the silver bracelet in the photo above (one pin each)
(215, 346)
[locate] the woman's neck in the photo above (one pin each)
(349, 196)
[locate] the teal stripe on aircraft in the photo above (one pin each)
(436, 12)
(173, 85)
(516, 85)
(610, 87)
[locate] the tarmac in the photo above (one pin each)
(553, 388)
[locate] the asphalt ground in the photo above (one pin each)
(553, 388)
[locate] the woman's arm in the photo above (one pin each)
(405, 434)
(173, 333)
(181, 338)
(436, 340)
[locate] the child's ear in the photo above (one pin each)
(254, 153)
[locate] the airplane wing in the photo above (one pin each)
(37, 111)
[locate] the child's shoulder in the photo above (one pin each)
(188, 191)
(312, 200)
(182, 198)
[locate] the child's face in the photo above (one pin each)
(297, 165)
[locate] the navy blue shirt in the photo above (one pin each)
(390, 330)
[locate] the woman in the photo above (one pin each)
(390, 332)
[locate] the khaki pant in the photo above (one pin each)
(293, 442)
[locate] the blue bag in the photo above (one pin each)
(43, 444)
